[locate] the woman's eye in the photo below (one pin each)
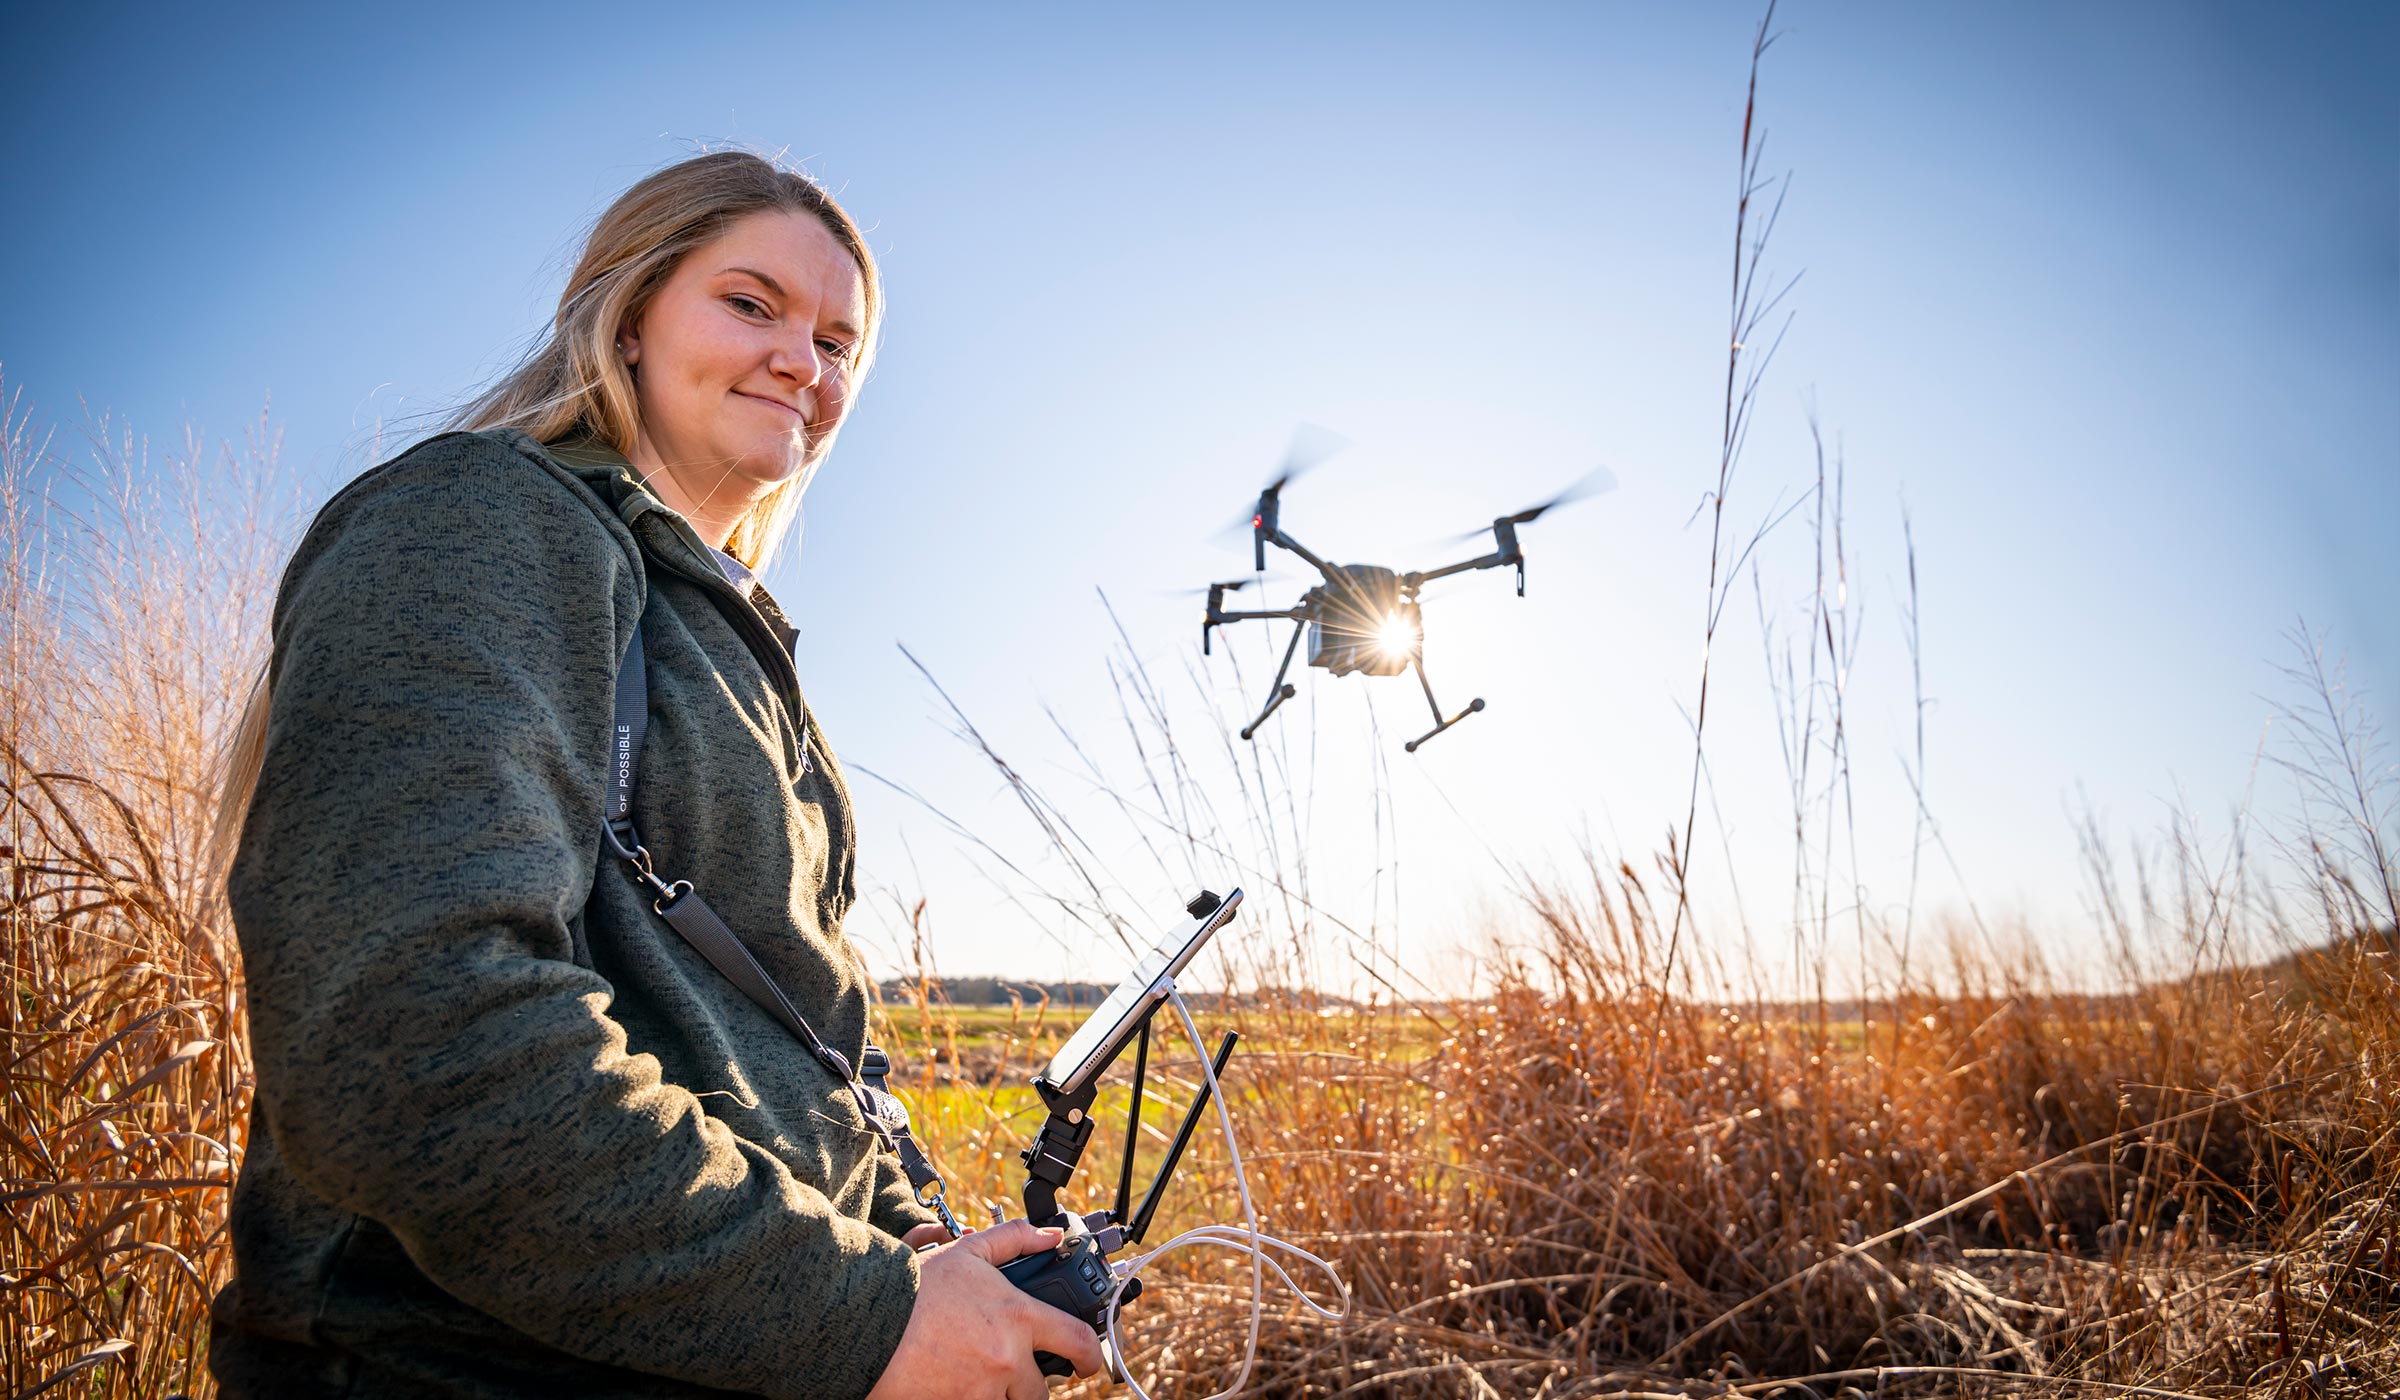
(838, 352)
(746, 305)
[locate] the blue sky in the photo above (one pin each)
(2104, 294)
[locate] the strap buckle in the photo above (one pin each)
(626, 843)
(668, 895)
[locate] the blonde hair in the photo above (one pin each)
(576, 384)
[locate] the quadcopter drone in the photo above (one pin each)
(1364, 617)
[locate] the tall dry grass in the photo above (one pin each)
(131, 612)
(1593, 1180)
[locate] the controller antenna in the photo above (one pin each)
(1140, 1225)
(1133, 1120)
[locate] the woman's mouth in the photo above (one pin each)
(773, 403)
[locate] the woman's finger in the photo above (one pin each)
(1002, 1243)
(1028, 1383)
(1064, 1334)
(920, 1236)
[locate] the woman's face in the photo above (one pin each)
(742, 364)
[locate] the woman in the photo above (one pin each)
(513, 1136)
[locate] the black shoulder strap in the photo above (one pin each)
(689, 915)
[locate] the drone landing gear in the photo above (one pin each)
(1474, 706)
(1282, 690)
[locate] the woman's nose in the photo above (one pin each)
(803, 363)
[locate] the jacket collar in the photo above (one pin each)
(615, 481)
(606, 471)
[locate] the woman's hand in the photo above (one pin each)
(930, 1233)
(972, 1335)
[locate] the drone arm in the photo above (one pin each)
(1504, 533)
(1284, 541)
(1488, 561)
(1217, 615)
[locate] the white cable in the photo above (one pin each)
(1247, 1240)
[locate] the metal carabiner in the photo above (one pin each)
(940, 1206)
(637, 855)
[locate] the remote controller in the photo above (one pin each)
(1073, 1278)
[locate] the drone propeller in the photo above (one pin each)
(1309, 448)
(1596, 482)
(1234, 586)
(1234, 534)
(1311, 445)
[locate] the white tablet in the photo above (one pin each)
(1096, 1043)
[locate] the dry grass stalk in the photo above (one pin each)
(131, 618)
(1585, 1184)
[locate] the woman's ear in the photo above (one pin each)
(629, 345)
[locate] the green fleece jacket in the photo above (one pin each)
(512, 1135)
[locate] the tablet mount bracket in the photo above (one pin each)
(1075, 1276)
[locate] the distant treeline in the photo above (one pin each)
(996, 991)
(1000, 991)
(2298, 969)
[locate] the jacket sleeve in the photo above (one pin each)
(428, 1053)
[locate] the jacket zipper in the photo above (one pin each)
(759, 637)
